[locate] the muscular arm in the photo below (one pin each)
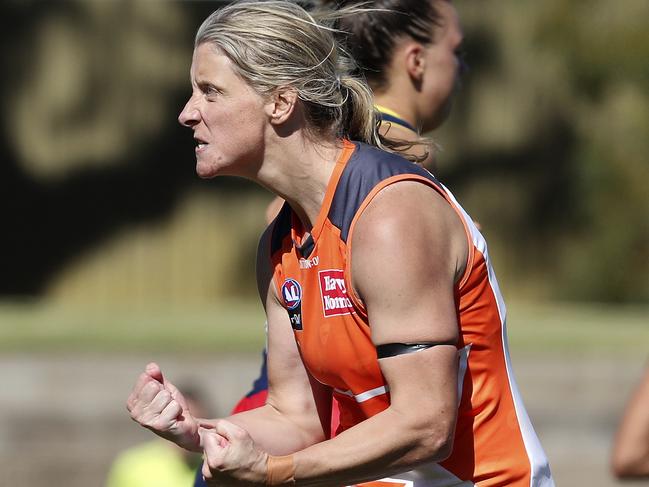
(409, 249)
(290, 420)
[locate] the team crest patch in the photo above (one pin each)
(334, 293)
(292, 293)
(292, 296)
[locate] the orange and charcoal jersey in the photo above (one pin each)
(494, 442)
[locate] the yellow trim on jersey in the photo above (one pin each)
(387, 111)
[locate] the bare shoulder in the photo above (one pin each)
(409, 249)
(411, 216)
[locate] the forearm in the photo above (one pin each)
(274, 432)
(383, 445)
(631, 448)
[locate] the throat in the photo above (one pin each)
(305, 245)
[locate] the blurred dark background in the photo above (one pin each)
(547, 148)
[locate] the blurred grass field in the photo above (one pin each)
(236, 326)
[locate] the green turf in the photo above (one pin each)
(233, 326)
(237, 326)
(579, 329)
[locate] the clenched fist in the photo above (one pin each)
(158, 405)
(231, 457)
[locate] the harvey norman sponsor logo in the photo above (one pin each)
(334, 293)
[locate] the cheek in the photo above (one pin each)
(447, 77)
(450, 66)
(238, 121)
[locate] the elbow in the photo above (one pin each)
(440, 447)
(435, 442)
(629, 468)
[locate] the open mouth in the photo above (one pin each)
(200, 143)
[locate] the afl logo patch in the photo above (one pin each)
(292, 293)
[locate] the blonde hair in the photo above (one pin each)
(277, 43)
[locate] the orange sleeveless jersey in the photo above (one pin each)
(495, 443)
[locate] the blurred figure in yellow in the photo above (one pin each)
(630, 458)
(159, 463)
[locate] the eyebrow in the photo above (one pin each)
(204, 85)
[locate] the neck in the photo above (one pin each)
(396, 104)
(298, 170)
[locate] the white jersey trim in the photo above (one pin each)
(463, 362)
(540, 475)
(364, 396)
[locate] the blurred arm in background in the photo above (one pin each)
(630, 457)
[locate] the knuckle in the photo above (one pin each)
(164, 395)
(136, 415)
(158, 424)
(239, 434)
(215, 464)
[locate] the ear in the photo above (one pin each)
(415, 61)
(281, 105)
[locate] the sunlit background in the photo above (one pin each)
(114, 253)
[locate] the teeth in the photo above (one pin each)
(201, 145)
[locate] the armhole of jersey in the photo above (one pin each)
(470, 255)
(275, 262)
(355, 298)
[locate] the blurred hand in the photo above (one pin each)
(158, 405)
(231, 456)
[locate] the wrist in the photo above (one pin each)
(193, 442)
(280, 470)
(189, 440)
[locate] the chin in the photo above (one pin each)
(205, 171)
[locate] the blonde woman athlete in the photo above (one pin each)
(377, 286)
(410, 52)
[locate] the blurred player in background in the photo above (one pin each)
(410, 53)
(630, 458)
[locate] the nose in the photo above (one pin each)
(463, 67)
(190, 115)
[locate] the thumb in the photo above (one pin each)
(175, 392)
(210, 440)
(229, 430)
(153, 370)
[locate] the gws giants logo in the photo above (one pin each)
(334, 293)
(292, 295)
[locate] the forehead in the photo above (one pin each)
(210, 64)
(449, 19)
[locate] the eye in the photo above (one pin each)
(209, 90)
